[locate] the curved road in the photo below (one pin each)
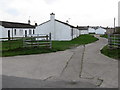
(81, 67)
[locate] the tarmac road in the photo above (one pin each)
(81, 67)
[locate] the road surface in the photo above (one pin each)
(81, 67)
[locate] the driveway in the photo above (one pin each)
(81, 67)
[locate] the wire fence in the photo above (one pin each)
(114, 40)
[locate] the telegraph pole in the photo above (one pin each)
(114, 25)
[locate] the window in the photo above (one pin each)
(33, 31)
(15, 32)
(30, 32)
(21, 32)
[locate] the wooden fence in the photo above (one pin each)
(37, 40)
(114, 40)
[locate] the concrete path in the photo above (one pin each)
(82, 67)
(96, 65)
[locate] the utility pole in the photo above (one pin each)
(114, 25)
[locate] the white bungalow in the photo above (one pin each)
(100, 31)
(91, 30)
(59, 30)
(83, 29)
(15, 29)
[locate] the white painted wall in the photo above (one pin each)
(84, 31)
(62, 32)
(1, 29)
(19, 32)
(59, 31)
(77, 32)
(45, 29)
(100, 31)
(91, 30)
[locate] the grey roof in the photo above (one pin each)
(60, 22)
(44, 22)
(7, 24)
(83, 27)
(65, 23)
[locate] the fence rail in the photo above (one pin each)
(114, 40)
(37, 40)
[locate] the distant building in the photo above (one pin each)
(60, 31)
(91, 30)
(100, 31)
(109, 30)
(15, 29)
(119, 13)
(83, 29)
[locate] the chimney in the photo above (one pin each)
(28, 21)
(35, 24)
(67, 21)
(52, 16)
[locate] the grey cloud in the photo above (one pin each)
(50, 1)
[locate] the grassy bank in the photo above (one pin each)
(14, 48)
(112, 53)
(104, 36)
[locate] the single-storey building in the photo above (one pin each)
(83, 29)
(60, 31)
(91, 30)
(15, 29)
(100, 30)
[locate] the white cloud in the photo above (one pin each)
(80, 12)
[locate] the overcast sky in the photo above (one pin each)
(78, 12)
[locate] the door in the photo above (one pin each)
(25, 33)
(8, 34)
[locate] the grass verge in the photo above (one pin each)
(112, 53)
(14, 48)
(104, 36)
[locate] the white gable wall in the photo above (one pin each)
(1, 31)
(100, 31)
(59, 30)
(45, 28)
(62, 31)
(91, 30)
(84, 31)
(76, 32)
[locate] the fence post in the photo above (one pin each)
(46, 37)
(109, 41)
(118, 40)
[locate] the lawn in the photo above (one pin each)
(14, 48)
(112, 53)
(104, 36)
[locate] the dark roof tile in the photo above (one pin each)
(7, 24)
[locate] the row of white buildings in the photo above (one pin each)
(58, 29)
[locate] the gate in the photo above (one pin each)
(37, 40)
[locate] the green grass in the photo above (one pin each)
(104, 36)
(14, 48)
(112, 53)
